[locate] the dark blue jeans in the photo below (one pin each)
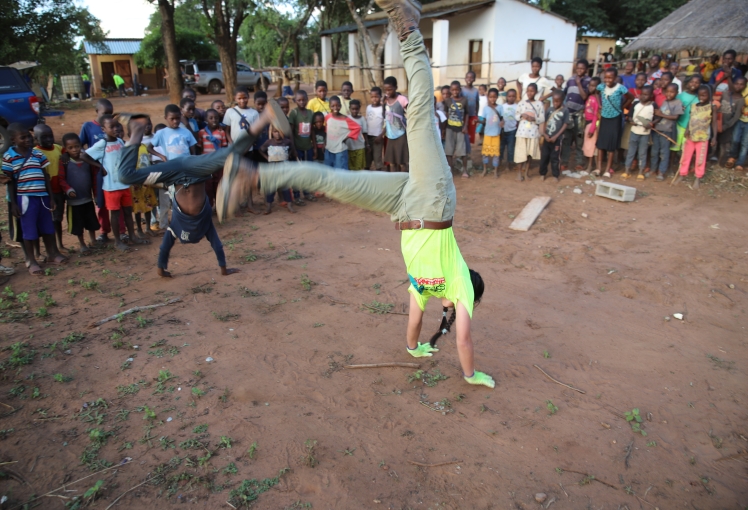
(190, 229)
(661, 152)
(638, 145)
(506, 147)
(740, 143)
(338, 161)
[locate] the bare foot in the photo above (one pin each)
(519, 177)
(290, 208)
(485, 172)
(227, 271)
(555, 179)
(465, 175)
(121, 246)
(677, 180)
(85, 250)
(138, 240)
(163, 273)
(140, 234)
(268, 208)
(696, 183)
(58, 260)
(34, 269)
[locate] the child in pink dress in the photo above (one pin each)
(591, 114)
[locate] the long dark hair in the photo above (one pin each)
(446, 324)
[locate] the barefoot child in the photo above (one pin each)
(339, 129)
(612, 97)
(640, 117)
(374, 129)
(664, 120)
(357, 148)
(529, 115)
(422, 202)
(555, 126)
(77, 180)
(509, 130)
(455, 138)
(30, 196)
(591, 118)
(144, 197)
(700, 133)
(211, 138)
(105, 154)
(492, 119)
(277, 150)
(45, 143)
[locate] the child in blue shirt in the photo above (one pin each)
(492, 119)
(30, 195)
(176, 140)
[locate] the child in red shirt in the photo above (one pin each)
(209, 139)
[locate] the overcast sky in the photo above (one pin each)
(122, 19)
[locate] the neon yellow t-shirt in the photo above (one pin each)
(436, 267)
(118, 80)
(317, 105)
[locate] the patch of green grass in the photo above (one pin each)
(20, 355)
(308, 458)
(225, 442)
(148, 413)
(252, 450)
(428, 379)
(62, 378)
(306, 282)
(294, 255)
(197, 392)
(130, 389)
(380, 308)
(635, 421)
(143, 322)
(201, 429)
(552, 409)
(191, 444)
(250, 490)
(225, 317)
(230, 469)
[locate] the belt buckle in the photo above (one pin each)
(420, 227)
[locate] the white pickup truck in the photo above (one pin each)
(206, 76)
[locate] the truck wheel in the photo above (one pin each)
(4, 140)
(215, 86)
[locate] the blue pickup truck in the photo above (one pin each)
(18, 103)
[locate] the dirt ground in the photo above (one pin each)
(275, 416)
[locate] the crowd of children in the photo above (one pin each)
(653, 116)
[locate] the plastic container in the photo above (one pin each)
(72, 84)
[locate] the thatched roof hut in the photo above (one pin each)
(711, 26)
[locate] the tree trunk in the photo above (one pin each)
(228, 65)
(296, 52)
(169, 35)
(366, 40)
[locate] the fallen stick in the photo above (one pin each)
(11, 462)
(73, 483)
(558, 382)
(379, 365)
(128, 490)
(591, 477)
(434, 465)
(133, 310)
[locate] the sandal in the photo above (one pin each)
(596, 173)
(640, 177)
(35, 270)
(624, 175)
(607, 174)
(6, 271)
(102, 238)
(730, 163)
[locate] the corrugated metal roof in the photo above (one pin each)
(113, 47)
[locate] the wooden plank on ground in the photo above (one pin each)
(529, 214)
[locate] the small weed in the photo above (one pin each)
(428, 379)
(4, 433)
(629, 490)
(224, 396)
(719, 362)
(380, 308)
(197, 392)
(635, 421)
(294, 255)
(197, 374)
(347, 452)
(652, 444)
(250, 490)
(142, 321)
(225, 442)
(20, 355)
(230, 469)
(201, 429)
(225, 317)
(123, 415)
(306, 282)
(587, 480)
(248, 292)
(318, 324)
(250, 257)
(90, 285)
(148, 413)
(252, 450)
(377, 288)
(62, 378)
(191, 444)
(130, 389)
(308, 458)
(166, 443)
(546, 354)
(552, 409)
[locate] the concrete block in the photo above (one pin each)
(615, 191)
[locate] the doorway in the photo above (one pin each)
(476, 56)
(582, 49)
(107, 69)
(123, 69)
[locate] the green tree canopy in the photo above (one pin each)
(619, 19)
(46, 31)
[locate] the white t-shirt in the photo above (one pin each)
(109, 154)
(482, 102)
(544, 85)
(233, 117)
(374, 120)
(440, 117)
(643, 114)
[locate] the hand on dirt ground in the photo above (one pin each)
(479, 378)
(422, 351)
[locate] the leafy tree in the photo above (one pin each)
(620, 19)
(225, 18)
(191, 44)
(46, 31)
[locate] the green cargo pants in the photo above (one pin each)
(426, 193)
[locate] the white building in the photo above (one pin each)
(494, 38)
